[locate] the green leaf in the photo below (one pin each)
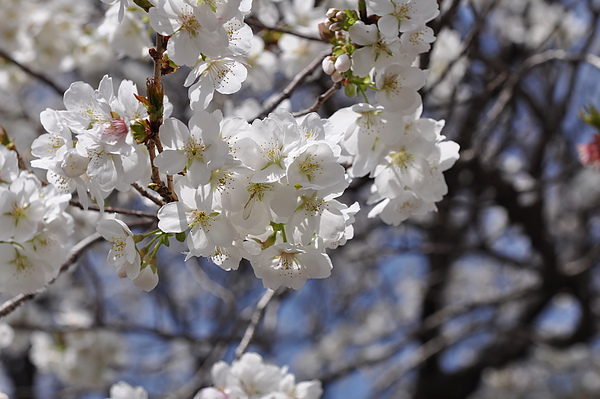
(350, 90)
(138, 129)
(591, 116)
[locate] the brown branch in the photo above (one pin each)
(121, 211)
(30, 72)
(257, 24)
(320, 100)
(146, 194)
(293, 85)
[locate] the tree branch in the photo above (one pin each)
(293, 85)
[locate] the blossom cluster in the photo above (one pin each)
(33, 219)
(247, 378)
(210, 37)
(265, 191)
(80, 358)
(250, 378)
(404, 153)
(89, 147)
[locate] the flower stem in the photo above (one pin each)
(362, 10)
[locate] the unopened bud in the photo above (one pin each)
(340, 16)
(325, 33)
(343, 62)
(337, 76)
(332, 12)
(336, 26)
(328, 66)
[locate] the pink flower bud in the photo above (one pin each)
(343, 62)
(336, 76)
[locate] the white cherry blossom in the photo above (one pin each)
(376, 50)
(123, 390)
(290, 265)
(123, 254)
(397, 87)
(192, 32)
(403, 15)
(224, 75)
(197, 150)
(209, 227)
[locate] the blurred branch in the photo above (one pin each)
(30, 72)
(293, 85)
(320, 100)
(256, 316)
(257, 24)
(210, 285)
(432, 346)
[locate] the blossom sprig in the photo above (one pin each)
(137, 264)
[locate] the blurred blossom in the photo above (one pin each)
(589, 154)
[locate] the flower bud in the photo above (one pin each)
(328, 66)
(343, 62)
(337, 76)
(324, 32)
(332, 12)
(336, 26)
(340, 16)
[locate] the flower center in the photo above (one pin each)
(401, 158)
(288, 261)
(112, 131)
(201, 218)
(194, 148)
(308, 167)
(190, 24)
(118, 246)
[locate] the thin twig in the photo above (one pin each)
(320, 100)
(256, 316)
(513, 79)
(260, 25)
(146, 194)
(122, 211)
(294, 84)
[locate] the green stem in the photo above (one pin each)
(283, 234)
(363, 92)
